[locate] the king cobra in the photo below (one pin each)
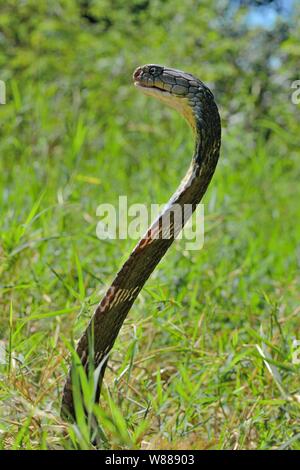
(188, 95)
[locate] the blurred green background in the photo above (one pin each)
(206, 358)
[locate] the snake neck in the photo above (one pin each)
(206, 126)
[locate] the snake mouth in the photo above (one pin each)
(150, 88)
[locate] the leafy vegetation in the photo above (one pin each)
(205, 358)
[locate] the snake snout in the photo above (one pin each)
(137, 73)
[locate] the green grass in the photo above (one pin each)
(205, 358)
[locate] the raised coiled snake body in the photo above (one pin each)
(195, 102)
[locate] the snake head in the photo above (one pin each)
(178, 89)
(156, 79)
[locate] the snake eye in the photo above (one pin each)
(152, 70)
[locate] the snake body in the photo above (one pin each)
(195, 102)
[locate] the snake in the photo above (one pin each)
(195, 102)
